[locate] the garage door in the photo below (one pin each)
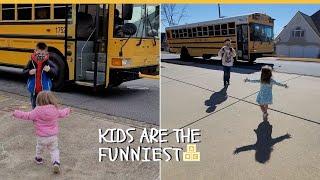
(282, 50)
(296, 51)
(311, 52)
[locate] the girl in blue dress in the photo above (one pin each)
(264, 97)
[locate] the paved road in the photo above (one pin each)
(192, 96)
(294, 67)
(137, 100)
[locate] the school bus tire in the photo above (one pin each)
(235, 60)
(184, 54)
(253, 57)
(59, 81)
(206, 56)
(117, 83)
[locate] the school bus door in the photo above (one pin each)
(91, 64)
(242, 42)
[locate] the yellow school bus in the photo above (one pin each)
(97, 45)
(251, 35)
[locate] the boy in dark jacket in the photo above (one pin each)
(40, 72)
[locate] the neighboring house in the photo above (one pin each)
(300, 37)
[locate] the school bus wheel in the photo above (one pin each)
(206, 56)
(253, 57)
(184, 54)
(235, 60)
(116, 83)
(59, 81)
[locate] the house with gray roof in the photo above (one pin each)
(300, 37)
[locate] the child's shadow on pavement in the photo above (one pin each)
(215, 99)
(264, 144)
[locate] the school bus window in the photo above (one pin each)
(153, 25)
(24, 11)
(231, 25)
(60, 11)
(42, 11)
(176, 33)
(205, 31)
(173, 34)
(7, 11)
(185, 33)
(86, 17)
(261, 32)
(231, 31)
(217, 30)
(189, 33)
(180, 33)
(144, 17)
(211, 32)
(199, 29)
(224, 29)
(194, 32)
(118, 21)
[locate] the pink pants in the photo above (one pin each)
(51, 143)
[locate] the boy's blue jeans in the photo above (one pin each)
(33, 100)
(226, 74)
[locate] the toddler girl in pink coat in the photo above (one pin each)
(45, 119)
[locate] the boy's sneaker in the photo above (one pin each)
(38, 160)
(56, 167)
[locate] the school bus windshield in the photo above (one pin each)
(144, 17)
(261, 32)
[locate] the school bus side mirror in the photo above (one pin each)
(129, 29)
(127, 11)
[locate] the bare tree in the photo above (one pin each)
(172, 15)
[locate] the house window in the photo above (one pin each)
(297, 33)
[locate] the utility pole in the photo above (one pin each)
(220, 12)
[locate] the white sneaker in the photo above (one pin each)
(56, 167)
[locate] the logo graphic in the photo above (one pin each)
(191, 154)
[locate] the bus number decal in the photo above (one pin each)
(60, 30)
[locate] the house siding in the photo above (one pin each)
(307, 46)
